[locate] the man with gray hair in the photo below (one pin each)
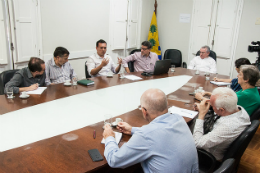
(164, 145)
(232, 122)
(203, 62)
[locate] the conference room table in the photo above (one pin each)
(58, 155)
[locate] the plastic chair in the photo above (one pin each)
(207, 161)
(226, 167)
(86, 70)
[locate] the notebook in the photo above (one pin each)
(118, 138)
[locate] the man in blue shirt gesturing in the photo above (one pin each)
(164, 145)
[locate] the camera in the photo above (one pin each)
(255, 48)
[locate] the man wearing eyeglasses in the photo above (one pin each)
(203, 62)
(163, 145)
(144, 60)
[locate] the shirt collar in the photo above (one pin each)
(29, 74)
(149, 56)
(53, 63)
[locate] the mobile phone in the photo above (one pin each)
(95, 155)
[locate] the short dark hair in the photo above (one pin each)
(147, 44)
(100, 41)
(60, 51)
(35, 64)
(242, 61)
(250, 73)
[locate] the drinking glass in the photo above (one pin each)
(172, 68)
(107, 119)
(207, 75)
(74, 80)
(9, 92)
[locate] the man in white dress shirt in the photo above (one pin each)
(100, 64)
(203, 62)
(232, 122)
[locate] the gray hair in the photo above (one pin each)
(206, 47)
(225, 98)
(154, 101)
(250, 73)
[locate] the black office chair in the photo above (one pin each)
(211, 54)
(226, 167)
(131, 63)
(175, 56)
(237, 147)
(86, 70)
(5, 77)
(255, 115)
(207, 161)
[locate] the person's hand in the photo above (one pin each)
(104, 62)
(119, 61)
(33, 87)
(216, 79)
(108, 131)
(203, 108)
(124, 128)
(198, 96)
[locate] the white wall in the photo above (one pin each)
(248, 31)
(147, 13)
(172, 33)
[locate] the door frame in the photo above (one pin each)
(235, 34)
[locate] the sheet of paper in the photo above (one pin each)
(133, 77)
(183, 112)
(57, 117)
(39, 90)
(118, 138)
(220, 83)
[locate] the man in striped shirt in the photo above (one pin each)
(58, 69)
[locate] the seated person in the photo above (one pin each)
(155, 144)
(100, 64)
(248, 97)
(232, 122)
(58, 69)
(203, 62)
(144, 60)
(28, 78)
(234, 82)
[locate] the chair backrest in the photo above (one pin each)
(255, 115)
(5, 77)
(211, 54)
(175, 56)
(237, 147)
(207, 161)
(86, 70)
(226, 167)
(131, 63)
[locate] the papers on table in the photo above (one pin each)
(39, 90)
(183, 112)
(118, 138)
(220, 83)
(132, 77)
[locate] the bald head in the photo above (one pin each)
(154, 101)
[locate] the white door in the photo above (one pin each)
(25, 29)
(118, 23)
(133, 16)
(3, 42)
(201, 24)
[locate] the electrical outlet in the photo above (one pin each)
(257, 21)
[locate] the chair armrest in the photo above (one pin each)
(207, 161)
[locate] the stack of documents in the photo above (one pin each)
(133, 77)
(220, 83)
(39, 90)
(118, 138)
(182, 112)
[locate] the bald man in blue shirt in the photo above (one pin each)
(164, 145)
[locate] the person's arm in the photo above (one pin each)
(213, 66)
(47, 72)
(125, 61)
(136, 150)
(30, 88)
(119, 65)
(192, 64)
(91, 66)
(222, 80)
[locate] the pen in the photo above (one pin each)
(94, 134)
